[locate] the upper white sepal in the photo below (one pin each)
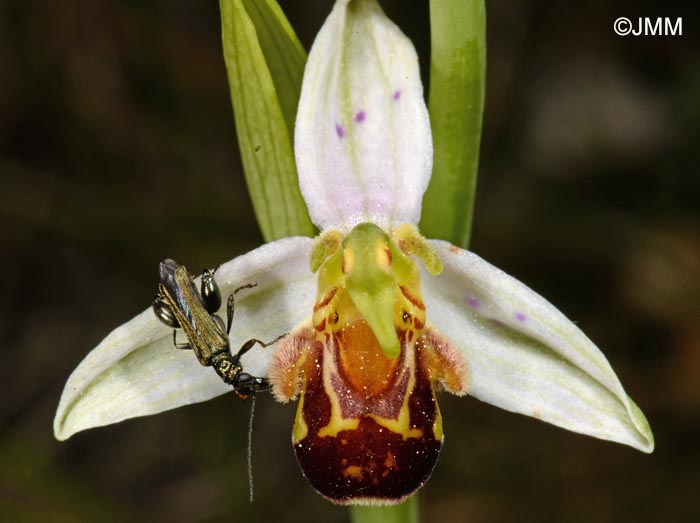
(362, 140)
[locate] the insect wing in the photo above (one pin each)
(181, 290)
(206, 336)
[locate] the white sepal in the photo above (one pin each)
(362, 141)
(136, 371)
(524, 355)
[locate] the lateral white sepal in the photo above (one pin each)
(524, 355)
(136, 371)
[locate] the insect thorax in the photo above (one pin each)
(226, 367)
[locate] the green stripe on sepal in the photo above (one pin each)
(456, 104)
(265, 62)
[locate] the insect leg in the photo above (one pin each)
(181, 346)
(246, 286)
(252, 342)
(163, 312)
(243, 383)
(230, 305)
(229, 313)
(211, 295)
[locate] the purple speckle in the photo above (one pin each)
(360, 117)
(397, 94)
(473, 302)
(520, 317)
(339, 131)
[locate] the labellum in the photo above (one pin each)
(368, 428)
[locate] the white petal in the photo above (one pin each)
(524, 355)
(136, 371)
(362, 140)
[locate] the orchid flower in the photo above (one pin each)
(378, 317)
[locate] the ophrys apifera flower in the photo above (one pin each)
(378, 316)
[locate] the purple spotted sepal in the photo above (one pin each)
(362, 143)
(524, 355)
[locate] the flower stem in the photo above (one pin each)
(406, 512)
(456, 103)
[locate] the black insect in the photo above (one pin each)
(179, 305)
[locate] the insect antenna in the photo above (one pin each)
(249, 452)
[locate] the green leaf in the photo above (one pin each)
(456, 103)
(283, 53)
(265, 64)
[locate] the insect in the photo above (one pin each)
(178, 305)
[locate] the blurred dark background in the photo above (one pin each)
(118, 149)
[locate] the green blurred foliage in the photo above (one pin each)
(117, 149)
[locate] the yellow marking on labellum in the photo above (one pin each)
(368, 428)
(354, 471)
(337, 422)
(300, 429)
